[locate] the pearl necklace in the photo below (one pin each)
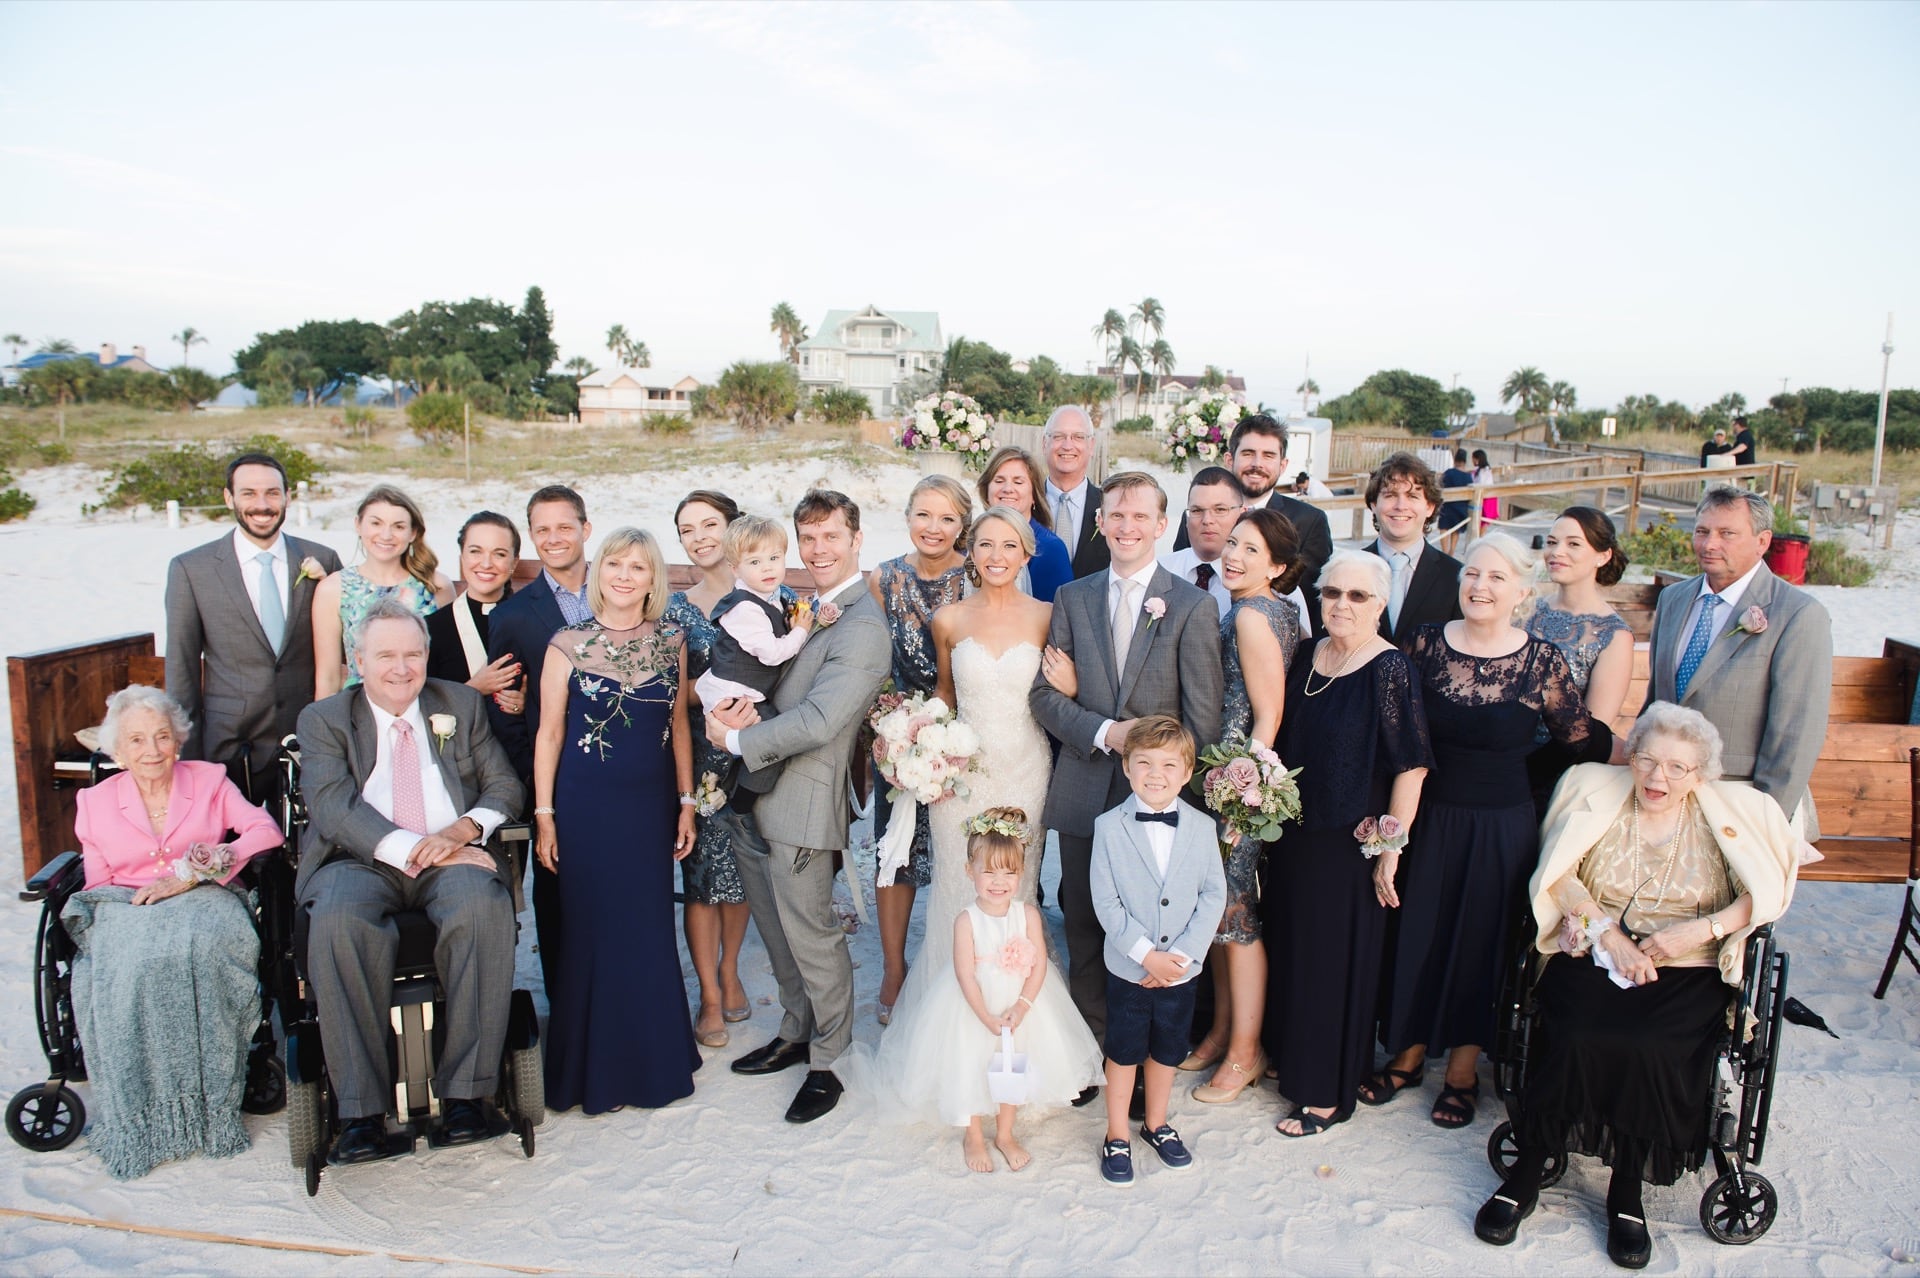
(1313, 668)
(1673, 854)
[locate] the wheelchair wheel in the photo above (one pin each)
(1503, 1148)
(524, 1126)
(1738, 1208)
(316, 1161)
(528, 1079)
(45, 1123)
(266, 1082)
(306, 1123)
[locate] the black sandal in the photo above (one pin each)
(1389, 1083)
(1311, 1124)
(1457, 1106)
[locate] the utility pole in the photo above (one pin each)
(1880, 430)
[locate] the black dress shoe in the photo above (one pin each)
(816, 1097)
(1499, 1218)
(362, 1140)
(1087, 1097)
(1628, 1243)
(771, 1059)
(464, 1122)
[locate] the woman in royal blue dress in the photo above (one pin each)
(609, 760)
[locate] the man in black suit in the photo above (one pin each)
(1404, 496)
(1073, 498)
(522, 626)
(1258, 449)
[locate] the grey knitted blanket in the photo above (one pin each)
(167, 996)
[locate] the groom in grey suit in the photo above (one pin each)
(1166, 635)
(1748, 651)
(242, 687)
(785, 843)
(404, 782)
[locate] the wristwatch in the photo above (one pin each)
(1719, 928)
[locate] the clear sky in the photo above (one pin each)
(1674, 199)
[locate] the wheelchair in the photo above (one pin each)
(417, 1010)
(49, 1116)
(1739, 1204)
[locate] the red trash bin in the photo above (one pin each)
(1787, 557)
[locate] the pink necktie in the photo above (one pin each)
(409, 804)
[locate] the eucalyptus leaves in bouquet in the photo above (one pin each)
(947, 422)
(1199, 429)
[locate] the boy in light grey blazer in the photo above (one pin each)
(1158, 889)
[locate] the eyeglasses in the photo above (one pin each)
(1214, 512)
(1068, 437)
(1333, 594)
(1648, 766)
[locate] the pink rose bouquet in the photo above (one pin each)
(1248, 788)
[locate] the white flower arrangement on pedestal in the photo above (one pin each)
(947, 422)
(1199, 429)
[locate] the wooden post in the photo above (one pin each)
(1633, 504)
(466, 429)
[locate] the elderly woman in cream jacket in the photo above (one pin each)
(1651, 878)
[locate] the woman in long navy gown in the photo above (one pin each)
(610, 758)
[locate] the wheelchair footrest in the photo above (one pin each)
(498, 1125)
(399, 1142)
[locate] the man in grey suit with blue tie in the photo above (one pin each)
(240, 627)
(1750, 652)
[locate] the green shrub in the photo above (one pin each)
(17, 444)
(14, 504)
(1663, 545)
(1830, 564)
(193, 475)
(438, 417)
(1134, 425)
(668, 423)
(842, 405)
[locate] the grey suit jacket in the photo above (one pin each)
(1767, 693)
(1131, 900)
(821, 701)
(337, 754)
(1173, 668)
(220, 667)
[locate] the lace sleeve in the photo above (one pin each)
(1564, 706)
(1402, 716)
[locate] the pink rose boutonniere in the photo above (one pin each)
(1017, 957)
(1155, 608)
(310, 570)
(1754, 621)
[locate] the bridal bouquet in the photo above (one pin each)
(1248, 788)
(925, 753)
(1200, 429)
(949, 422)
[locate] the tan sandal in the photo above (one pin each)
(1247, 1075)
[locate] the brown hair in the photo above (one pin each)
(419, 560)
(1121, 481)
(1158, 732)
(994, 851)
(819, 504)
(1282, 540)
(1406, 466)
(1036, 480)
(729, 508)
(557, 492)
(1598, 529)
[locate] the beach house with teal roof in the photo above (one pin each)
(873, 351)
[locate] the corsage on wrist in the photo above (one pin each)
(1380, 834)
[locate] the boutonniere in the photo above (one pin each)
(310, 570)
(1155, 608)
(1754, 622)
(441, 725)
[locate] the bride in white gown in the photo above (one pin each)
(988, 646)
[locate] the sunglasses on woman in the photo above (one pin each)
(1333, 594)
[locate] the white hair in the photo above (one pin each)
(1525, 566)
(139, 696)
(1665, 719)
(387, 608)
(1060, 412)
(1373, 565)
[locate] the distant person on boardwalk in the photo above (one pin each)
(1746, 451)
(1454, 514)
(1718, 446)
(1749, 651)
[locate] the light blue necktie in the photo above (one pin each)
(1397, 594)
(273, 614)
(1697, 645)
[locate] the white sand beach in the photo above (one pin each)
(719, 1184)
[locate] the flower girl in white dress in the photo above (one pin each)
(931, 1065)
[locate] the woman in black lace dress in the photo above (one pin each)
(1355, 728)
(1487, 686)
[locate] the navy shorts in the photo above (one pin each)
(1144, 1023)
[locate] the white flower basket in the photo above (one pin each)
(1010, 1080)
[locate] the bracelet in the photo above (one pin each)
(543, 811)
(688, 801)
(1024, 999)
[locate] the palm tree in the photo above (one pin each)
(1561, 397)
(1160, 355)
(62, 381)
(638, 356)
(1528, 385)
(56, 346)
(1109, 333)
(1149, 314)
(786, 326)
(1212, 378)
(1132, 355)
(619, 343)
(13, 343)
(581, 366)
(1306, 390)
(188, 338)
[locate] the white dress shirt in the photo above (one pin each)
(1143, 578)
(397, 848)
(1729, 614)
(1182, 562)
(1160, 843)
(249, 556)
(832, 596)
(1080, 494)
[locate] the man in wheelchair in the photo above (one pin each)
(404, 784)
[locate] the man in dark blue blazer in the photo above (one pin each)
(523, 625)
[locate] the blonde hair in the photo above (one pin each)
(991, 844)
(418, 559)
(953, 490)
(749, 533)
(1158, 732)
(618, 542)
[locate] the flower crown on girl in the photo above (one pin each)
(993, 822)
